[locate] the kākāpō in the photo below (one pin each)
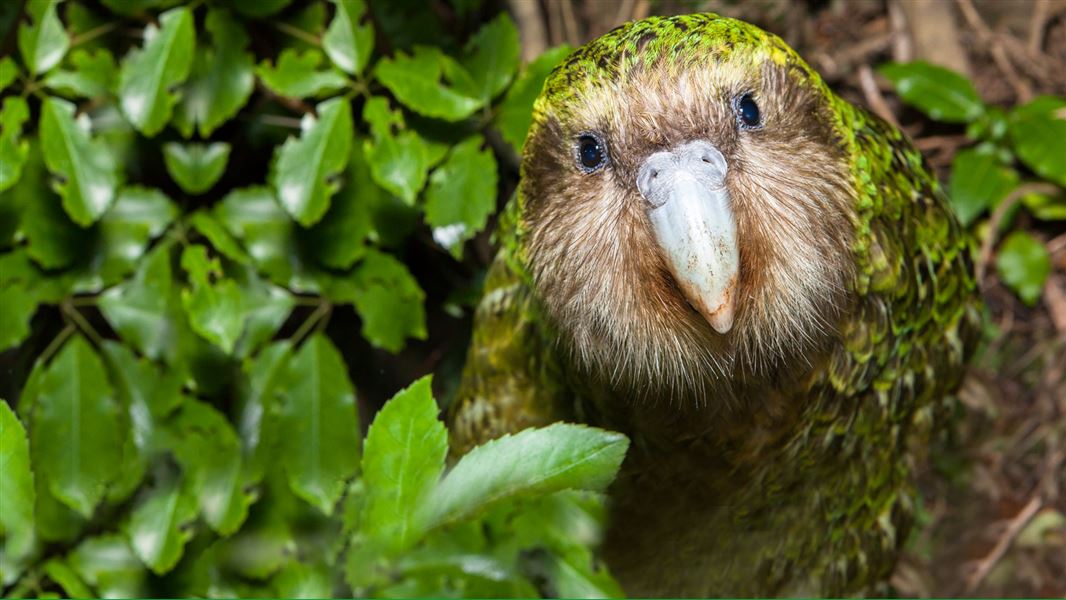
(758, 282)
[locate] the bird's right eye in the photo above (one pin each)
(591, 152)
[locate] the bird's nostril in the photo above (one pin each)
(654, 173)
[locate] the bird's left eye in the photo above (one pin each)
(591, 152)
(748, 112)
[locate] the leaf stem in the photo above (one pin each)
(299, 34)
(82, 323)
(321, 311)
(92, 34)
(53, 346)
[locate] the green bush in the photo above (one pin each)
(187, 193)
(1032, 136)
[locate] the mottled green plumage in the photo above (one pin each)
(806, 489)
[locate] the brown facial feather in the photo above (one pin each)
(600, 274)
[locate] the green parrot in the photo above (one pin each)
(762, 285)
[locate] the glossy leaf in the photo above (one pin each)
(221, 78)
(339, 239)
(389, 301)
(515, 112)
(196, 167)
(979, 181)
(158, 526)
(403, 458)
(461, 194)
(213, 302)
(54, 240)
(320, 447)
(108, 565)
(19, 304)
(398, 161)
(93, 75)
(1038, 134)
(150, 73)
(137, 309)
(219, 237)
(304, 167)
(60, 572)
(16, 480)
(1023, 264)
(347, 42)
(266, 308)
(76, 404)
(13, 149)
(531, 462)
(9, 71)
(89, 178)
(942, 94)
(297, 75)
(492, 56)
(416, 81)
(209, 452)
(139, 215)
(42, 42)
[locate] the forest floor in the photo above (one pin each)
(994, 495)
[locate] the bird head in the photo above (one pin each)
(686, 206)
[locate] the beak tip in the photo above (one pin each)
(722, 319)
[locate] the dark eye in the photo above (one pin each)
(591, 152)
(748, 112)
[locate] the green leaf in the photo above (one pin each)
(492, 56)
(157, 530)
(347, 43)
(253, 216)
(13, 151)
(61, 573)
(515, 113)
(196, 167)
(1046, 207)
(403, 457)
(1038, 133)
(398, 162)
(257, 406)
(1023, 264)
(942, 94)
(109, 566)
(304, 167)
(979, 181)
(16, 479)
(84, 164)
(212, 301)
(320, 445)
(138, 215)
(44, 42)
(415, 80)
(461, 194)
(221, 239)
(19, 306)
(339, 239)
(221, 79)
(210, 455)
(297, 75)
(298, 580)
(54, 240)
(266, 308)
(149, 74)
(531, 462)
(388, 299)
(9, 71)
(76, 421)
(93, 75)
(137, 309)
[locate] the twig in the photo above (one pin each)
(1057, 244)
(530, 28)
(997, 218)
(298, 33)
(570, 22)
(1014, 526)
(1022, 91)
(902, 45)
(56, 343)
(1037, 23)
(873, 95)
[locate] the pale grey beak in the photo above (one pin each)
(689, 208)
